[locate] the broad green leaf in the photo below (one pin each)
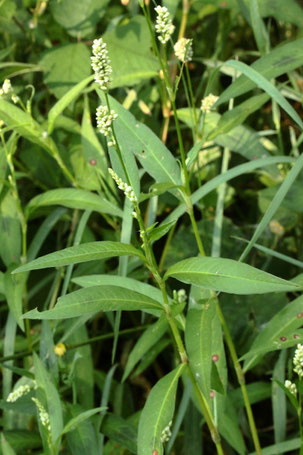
(116, 280)
(150, 337)
(276, 8)
(63, 102)
(227, 275)
(121, 431)
(152, 154)
(158, 412)
(267, 86)
(74, 199)
(225, 177)
(234, 117)
(158, 232)
(75, 421)
(83, 436)
(281, 60)
(132, 39)
(64, 66)
(198, 342)
(51, 394)
(279, 399)
(81, 253)
(21, 440)
(151, 355)
(78, 18)
(284, 322)
(95, 299)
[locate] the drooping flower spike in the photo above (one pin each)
(164, 26)
(101, 64)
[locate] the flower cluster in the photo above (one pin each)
(60, 349)
(18, 393)
(105, 119)
(7, 89)
(181, 296)
(44, 416)
(166, 433)
(101, 64)
(164, 26)
(128, 191)
(208, 102)
(298, 360)
(291, 387)
(184, 49)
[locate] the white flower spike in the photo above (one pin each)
(208, 102)
(184, 49)
(104, 123)
(101, 64)
(298, 360)
(164, 26)
(128, 191)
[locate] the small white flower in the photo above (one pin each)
(18, 393)
(298, 360)
(181, 296)
(208, 102)
(104, 123)
(184, 50)
(164, 26)
(166, 433)
(43, 415)
(291, 387)
(7, 87)
(101, 64)
(128, 191)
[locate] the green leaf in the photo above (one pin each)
(281, 60)
(121, 431)
(158, 232)
(95, 299)
(63, 102)
(5, 446)
(275, 204)
(284, 322)
(64, 66)
(74, 199)
(10, 228)
(267, 86)
(54, 409)
(81, 253)
(116, 280)
(78, 18)
(198, 341)
(152, 154)
(158, 412)
(258, 27)
(225, 177)
(150, 337)
(227, 275)
(75, 421)
(131, 39)
(14, 288)
(23, 439)
(83, 436)
(234, 117)
(282, 447)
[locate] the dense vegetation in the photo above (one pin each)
(151, 200)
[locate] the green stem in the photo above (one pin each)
(192, 99)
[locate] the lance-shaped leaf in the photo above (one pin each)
(81, 253)
(94, 299)
(278, 333)
(74, 199)
(227, 275)
(158, 413)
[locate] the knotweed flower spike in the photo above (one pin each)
(184, 49)
(166, 433)
(164, 26)
(128, 191)
(208, 102)
(6, 88)
(43, 415)
(298, 361)
(18, 393)
(101, 64)
(291, 387)
(104, 122)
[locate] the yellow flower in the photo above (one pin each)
(60, 349)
